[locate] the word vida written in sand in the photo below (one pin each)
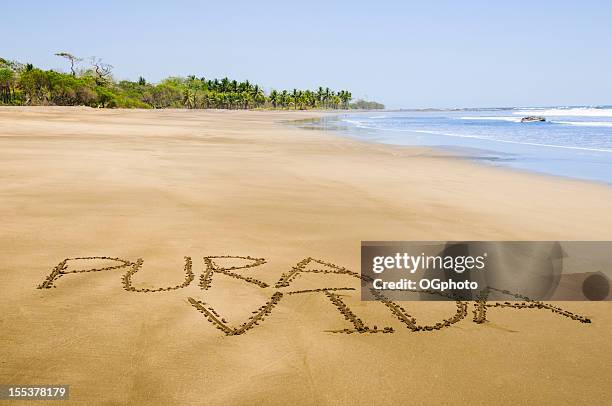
(281, 289)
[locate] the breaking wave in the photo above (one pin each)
(567, 112)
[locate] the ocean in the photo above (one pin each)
(573, 142)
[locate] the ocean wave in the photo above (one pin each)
(500, 118)
(570, 112)
(586, 123)
(536, 144)
(513, 142)
(361, 124)
(355, 122)
(365, 124)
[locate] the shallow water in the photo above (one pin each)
(573, 142)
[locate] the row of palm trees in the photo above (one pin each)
(321, 98)
(231, 94)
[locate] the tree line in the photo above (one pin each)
(94, 86)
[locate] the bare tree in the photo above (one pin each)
(73, 60)
(102, 70)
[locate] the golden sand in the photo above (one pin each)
(240, 239)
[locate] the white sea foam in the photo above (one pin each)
(571, 112)
(537, 144)
(586, 123)
(500, 118)
(365, 124)
(576, 123)
(355, 122)
(513, 142)
(360, 124)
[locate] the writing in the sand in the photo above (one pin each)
(213, 265)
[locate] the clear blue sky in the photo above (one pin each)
(402, 53)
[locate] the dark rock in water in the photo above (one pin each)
(530, 119)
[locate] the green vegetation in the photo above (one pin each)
(366, 105)
(24, 84)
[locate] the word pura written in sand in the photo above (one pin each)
(281, 289)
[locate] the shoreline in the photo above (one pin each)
(557, 160)
(468, 154)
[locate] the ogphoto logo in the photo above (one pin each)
(498, 270)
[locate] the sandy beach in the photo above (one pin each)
(162, 185)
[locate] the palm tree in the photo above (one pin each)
(295, 95)
(273, 98)
(335, 101)
(307, 98)
(214, 85)
(326, 96)
(224, 85)
(346, 97)
(320, 94)
(258, 95)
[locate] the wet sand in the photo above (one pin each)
(169, 184)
